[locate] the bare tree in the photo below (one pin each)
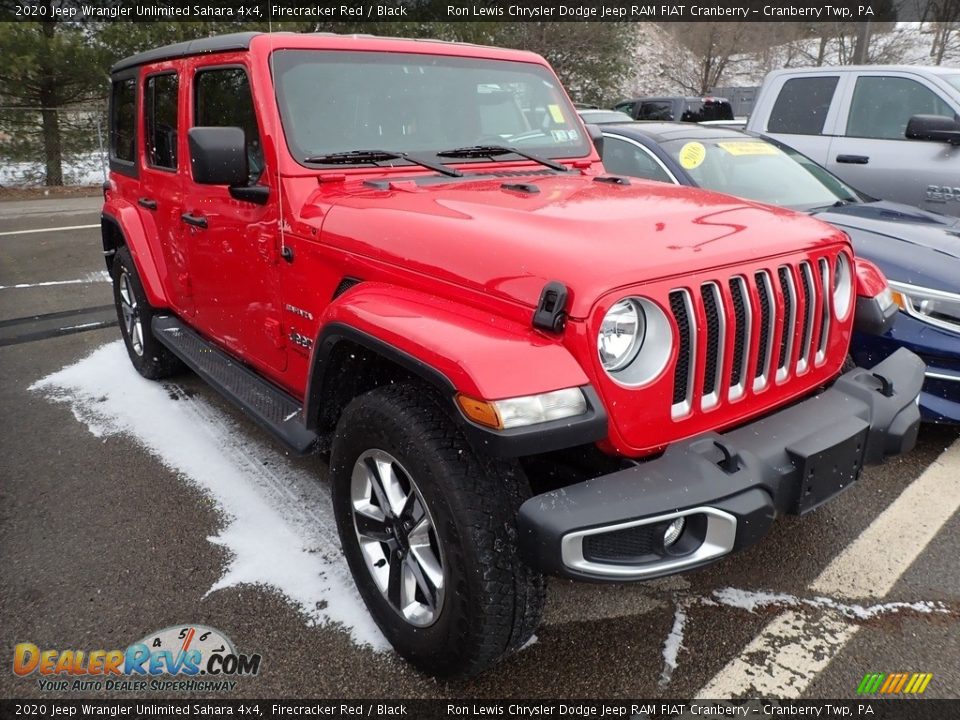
(711, 49)
(945, 17)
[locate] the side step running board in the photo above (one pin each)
(268, 405)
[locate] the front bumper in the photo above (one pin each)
(727, 487)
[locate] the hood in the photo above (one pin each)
(909, 244)
(510, 236)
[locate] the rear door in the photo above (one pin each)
(804, 112)
(162, 171)
(872, 153)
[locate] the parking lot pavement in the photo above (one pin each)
(128, 506)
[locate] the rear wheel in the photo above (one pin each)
(135, 314)
(429, 531)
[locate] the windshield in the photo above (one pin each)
(334, 102)
(953, 80)
(756, 170)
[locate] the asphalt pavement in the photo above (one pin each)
(110, 530)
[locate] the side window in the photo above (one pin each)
(624, 158)
(123, 120)
(627, 107)
(882, 106)
(160, 106)
(802, 106)
(661, 110)
(222, 98)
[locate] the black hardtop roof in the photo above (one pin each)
(663, 131)
(200, 46)
(238, 41)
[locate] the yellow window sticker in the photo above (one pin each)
(692, 155)
(748, 147)
(557, 114)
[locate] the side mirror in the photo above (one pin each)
(596, 135)
(933, 127)
(218, 155)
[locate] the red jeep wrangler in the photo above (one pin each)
(407, 254)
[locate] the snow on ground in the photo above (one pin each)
(85, 169)
(753, 600)
(278, 523)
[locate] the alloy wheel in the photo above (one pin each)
(131, 313)
(397, 537)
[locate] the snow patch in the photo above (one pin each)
(751, 600)
(674, 642)
(279, 527)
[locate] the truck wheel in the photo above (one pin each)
(429, 530)
(149, 357)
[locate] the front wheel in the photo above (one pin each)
(429, 531)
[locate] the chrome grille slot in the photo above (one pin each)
(716, 334)
(789, 291)
(809, 307)
(683, 375)
(743, 317)
(767, 324)
(825, 295)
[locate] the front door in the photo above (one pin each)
(231, 243)
(874, 155)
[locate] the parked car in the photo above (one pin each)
(600, 117)
(918, 251)
(682, 109)
(362, 243)
(891, 131)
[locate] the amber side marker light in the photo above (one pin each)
(480, 411)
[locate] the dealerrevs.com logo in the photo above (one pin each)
(188, 658)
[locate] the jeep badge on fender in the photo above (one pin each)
(407, 254)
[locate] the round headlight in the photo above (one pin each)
(621, 335)
(842, 286)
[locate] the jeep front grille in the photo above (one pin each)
(749, 326)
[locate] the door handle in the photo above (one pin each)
(196, 220)
(147, 203)
(853, 159)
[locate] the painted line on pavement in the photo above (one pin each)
(92, 277)
(794, 648)
(46, 230)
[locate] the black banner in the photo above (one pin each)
(872, 708)
(470, 10)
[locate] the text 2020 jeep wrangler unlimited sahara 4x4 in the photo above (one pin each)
(407, 253)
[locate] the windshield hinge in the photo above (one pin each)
(550, 314)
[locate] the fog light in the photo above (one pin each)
(673, 531)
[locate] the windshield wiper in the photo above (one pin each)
(374, 156)
(838, 204)
(491, 151)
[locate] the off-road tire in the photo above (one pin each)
(152, 360)
(494, 601)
